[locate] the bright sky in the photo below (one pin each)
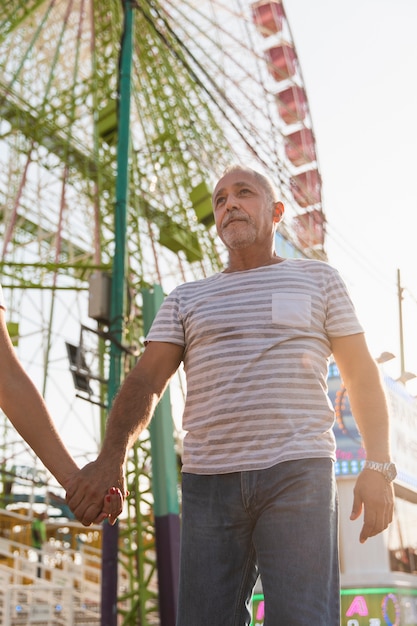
(359, 64)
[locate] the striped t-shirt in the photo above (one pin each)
(257, 345)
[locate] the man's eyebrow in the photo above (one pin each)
(243, 183)
(218, 192)
(238, 185)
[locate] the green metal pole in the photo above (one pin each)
(164, 486)
(117, 307)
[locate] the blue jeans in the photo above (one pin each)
(279, 523)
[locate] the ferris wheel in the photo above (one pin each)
(244, 56)
(213, 82)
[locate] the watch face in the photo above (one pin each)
(390, 471)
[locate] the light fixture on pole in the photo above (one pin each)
(405, 377)
(384, 357)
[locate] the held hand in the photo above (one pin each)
(113, 505)
(87, 489)
(376, 496)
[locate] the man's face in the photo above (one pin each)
(242, 213)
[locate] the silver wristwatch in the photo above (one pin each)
(388, 470)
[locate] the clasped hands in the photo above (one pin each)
(91, 499)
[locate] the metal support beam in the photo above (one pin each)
(117, 310)
(164, 486)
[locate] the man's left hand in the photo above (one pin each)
(373, 494)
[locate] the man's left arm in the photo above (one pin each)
(362, 379)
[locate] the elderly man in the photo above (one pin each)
(259, 493)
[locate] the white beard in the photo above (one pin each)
(239, 234)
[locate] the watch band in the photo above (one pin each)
(388, 470)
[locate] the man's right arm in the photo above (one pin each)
(130, 414)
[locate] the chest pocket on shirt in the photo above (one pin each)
(291, 309)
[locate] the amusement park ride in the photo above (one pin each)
(116, 117)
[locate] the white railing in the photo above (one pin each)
(51, 587)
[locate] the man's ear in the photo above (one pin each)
(278, 212)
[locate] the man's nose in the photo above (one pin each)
(231, 202)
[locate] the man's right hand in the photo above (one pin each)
(93, 494)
